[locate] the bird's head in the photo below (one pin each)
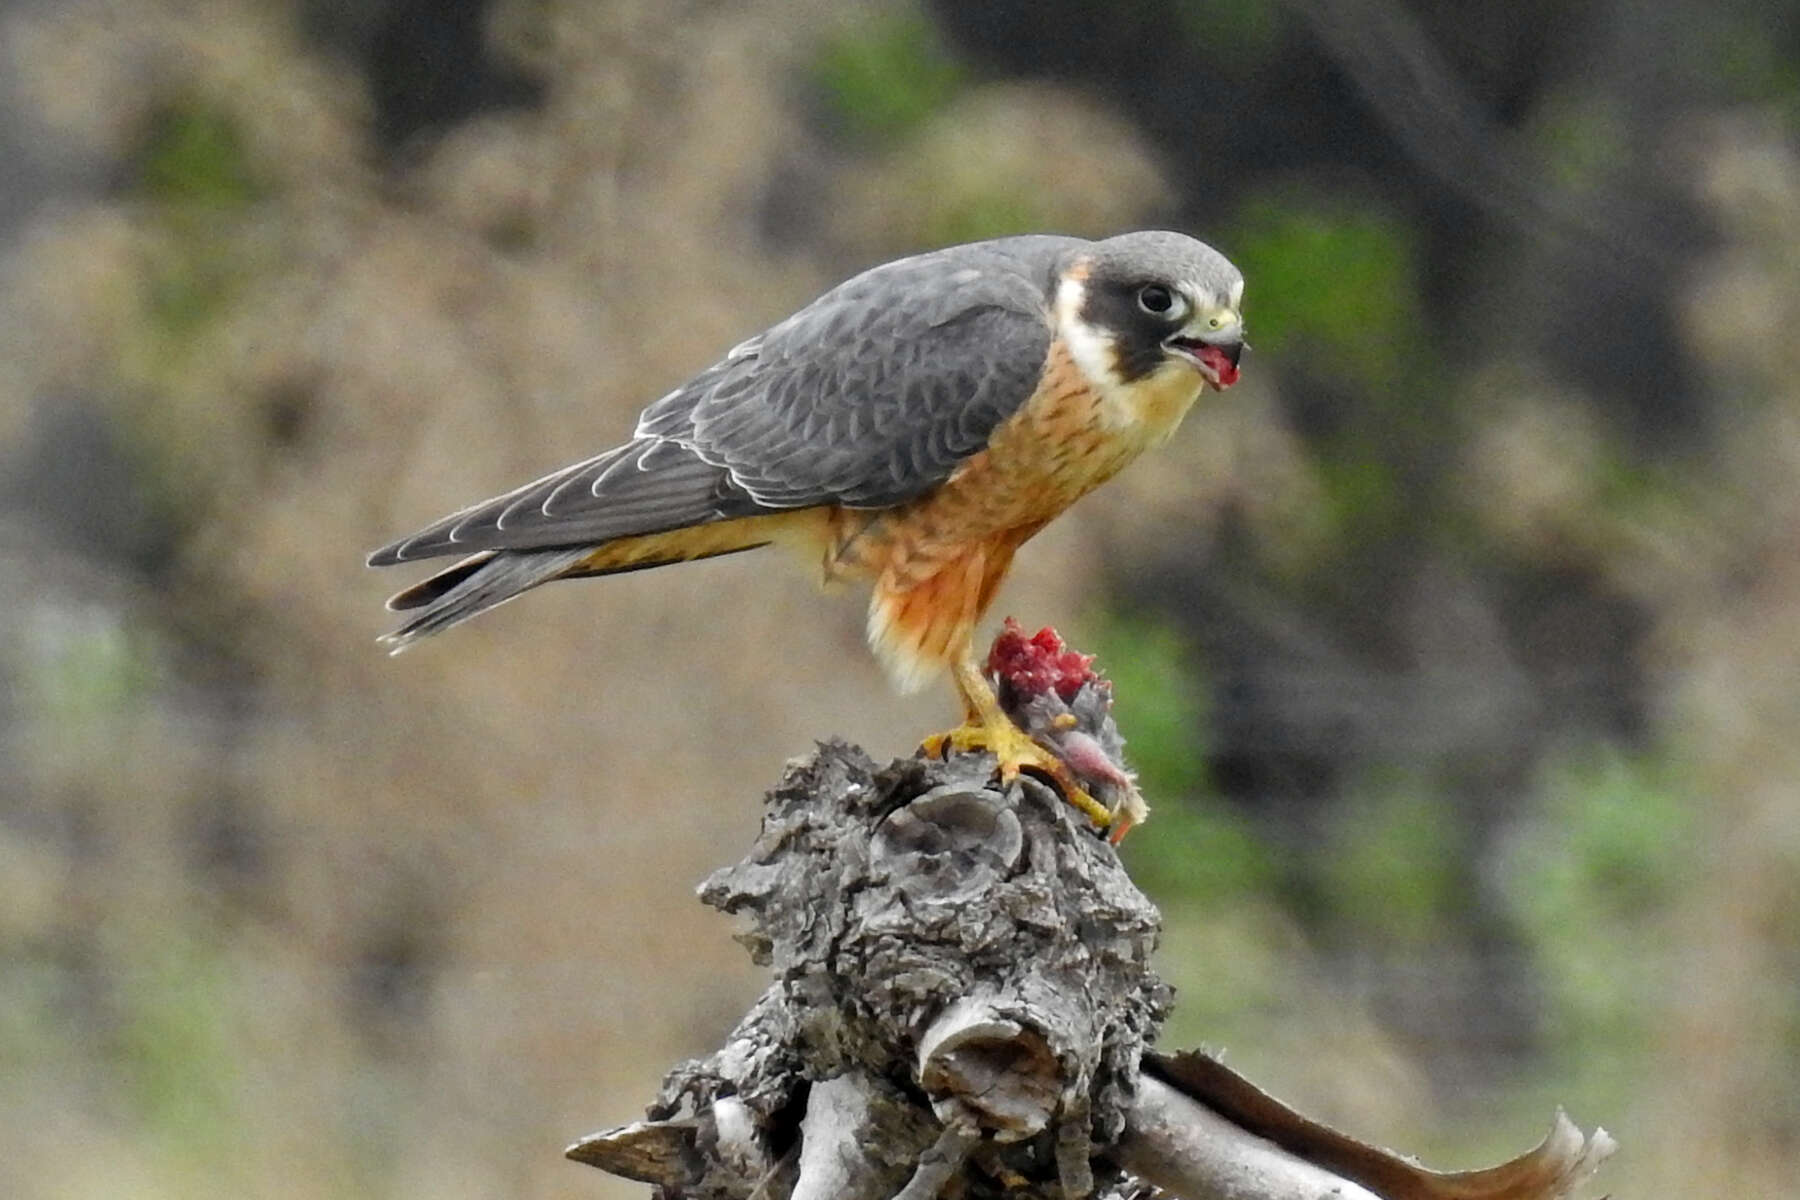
(1154, 299)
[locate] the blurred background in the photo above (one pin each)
(1459, 646)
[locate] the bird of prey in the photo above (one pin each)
(911, 428)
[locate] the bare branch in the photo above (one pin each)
(1555, 1168)
(961, 1002)
(1187, 1149)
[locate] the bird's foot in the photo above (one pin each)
(1017, 752)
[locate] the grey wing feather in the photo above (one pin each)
(645, 486)
(491, 582)
(873, 393)
(868, 397)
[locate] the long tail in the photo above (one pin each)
(492, 577)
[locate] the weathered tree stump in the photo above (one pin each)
(962, 1005)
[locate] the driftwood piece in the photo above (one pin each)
(1559, 1164)
(962, 1005)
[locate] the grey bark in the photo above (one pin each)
(962, 1004)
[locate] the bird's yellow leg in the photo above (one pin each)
(987, 727)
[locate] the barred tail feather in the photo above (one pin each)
(473, 586)
(492, 577)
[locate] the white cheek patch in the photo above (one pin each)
(1148, 409)
(1091, 348)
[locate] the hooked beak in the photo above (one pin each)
(1214, 353)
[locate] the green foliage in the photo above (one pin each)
(1332, 278)
(1362, 496)
(195, 155)
(195, 171)
(1199, 852)
(1246, 29)
(171, 1045)
(885, 78)
(1202, 862)
(1335, 290)
(1592, 880)
(198, 203)
(1617, 831)
(186, 288)
(1390, 866)
(1751, 64)
(1584, 142)
(76, 670)
(1159, 702)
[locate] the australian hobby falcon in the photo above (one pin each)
(911, 427)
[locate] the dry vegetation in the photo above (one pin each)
(280, 916)
(340, 924)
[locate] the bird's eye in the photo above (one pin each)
(1159, 301)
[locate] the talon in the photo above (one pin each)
(1016, 752)
(987, 727)
(1097, 812)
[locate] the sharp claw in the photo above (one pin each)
(1096, 812)
(1017, 753)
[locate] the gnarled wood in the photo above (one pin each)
(962, 1001)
